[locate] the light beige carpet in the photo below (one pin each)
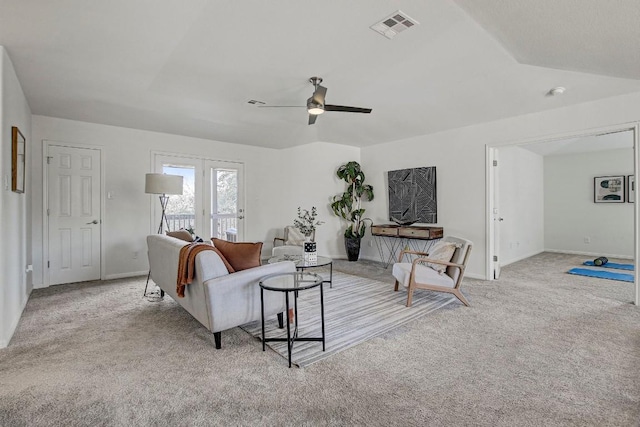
(538, 348)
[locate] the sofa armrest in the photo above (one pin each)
(234, 299)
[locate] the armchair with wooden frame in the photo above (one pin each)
(416, 275)
(291, 243)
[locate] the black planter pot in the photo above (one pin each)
(352, 245)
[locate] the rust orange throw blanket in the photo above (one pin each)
(187, 264)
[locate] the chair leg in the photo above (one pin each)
(409, 295)
(396, 287)
(217, 336)
(461, 297)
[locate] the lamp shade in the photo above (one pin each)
(158, 183)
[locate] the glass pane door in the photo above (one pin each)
(226, 211)
(182, 210)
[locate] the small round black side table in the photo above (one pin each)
(287, 283)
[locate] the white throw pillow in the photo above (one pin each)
(441, 251)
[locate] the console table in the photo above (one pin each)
(395, 237)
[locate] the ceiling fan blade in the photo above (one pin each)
(346, 109)
(282, 106)
(319, 94)
(312, 118)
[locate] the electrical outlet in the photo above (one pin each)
(587, 240)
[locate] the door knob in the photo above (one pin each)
(500, 219)
(241, 217)
(95, 221)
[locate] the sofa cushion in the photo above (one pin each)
(181, 234)
(241, 255)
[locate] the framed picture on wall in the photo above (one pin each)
(608, 189)
(631, 188)
(18, 147)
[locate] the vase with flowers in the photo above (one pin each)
(306, 223)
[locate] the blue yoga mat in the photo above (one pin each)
(601, 274)
(611, 265)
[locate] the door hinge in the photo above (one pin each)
(48, 212)
(495, 258)
(495, 163)
(48, 264)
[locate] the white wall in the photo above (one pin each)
(14, 284)
(570, 213)
(310, 178)
(521, 204)
(276, 182)
(459, 155)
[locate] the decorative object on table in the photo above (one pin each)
(18, 155)
(348, 206)
(631, 188)
(405, 222)
(608, 189)
(310, 254)
(163, 185)
(600, 261)
(412, 196)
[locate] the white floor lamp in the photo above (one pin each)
(164, 186)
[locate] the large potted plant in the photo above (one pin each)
(348, 206)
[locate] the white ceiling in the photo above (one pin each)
(190, 67)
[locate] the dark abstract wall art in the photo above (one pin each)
(412, 195)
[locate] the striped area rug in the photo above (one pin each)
(356, 309)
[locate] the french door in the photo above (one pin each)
(212, 203)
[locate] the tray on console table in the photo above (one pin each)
(402, 236)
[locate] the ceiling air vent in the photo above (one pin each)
(393, 24)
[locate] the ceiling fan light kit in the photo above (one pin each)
(316, 105)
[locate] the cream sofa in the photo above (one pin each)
(216, 299)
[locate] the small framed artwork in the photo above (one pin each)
(631, 188)
(608, 189)
(18, 154)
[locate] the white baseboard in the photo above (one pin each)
(475, 276)
(520, 258)
(126, 275)
(589, 254)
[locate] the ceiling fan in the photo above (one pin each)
(316, 105)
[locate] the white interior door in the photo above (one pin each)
(73, 208)
(225, 200)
